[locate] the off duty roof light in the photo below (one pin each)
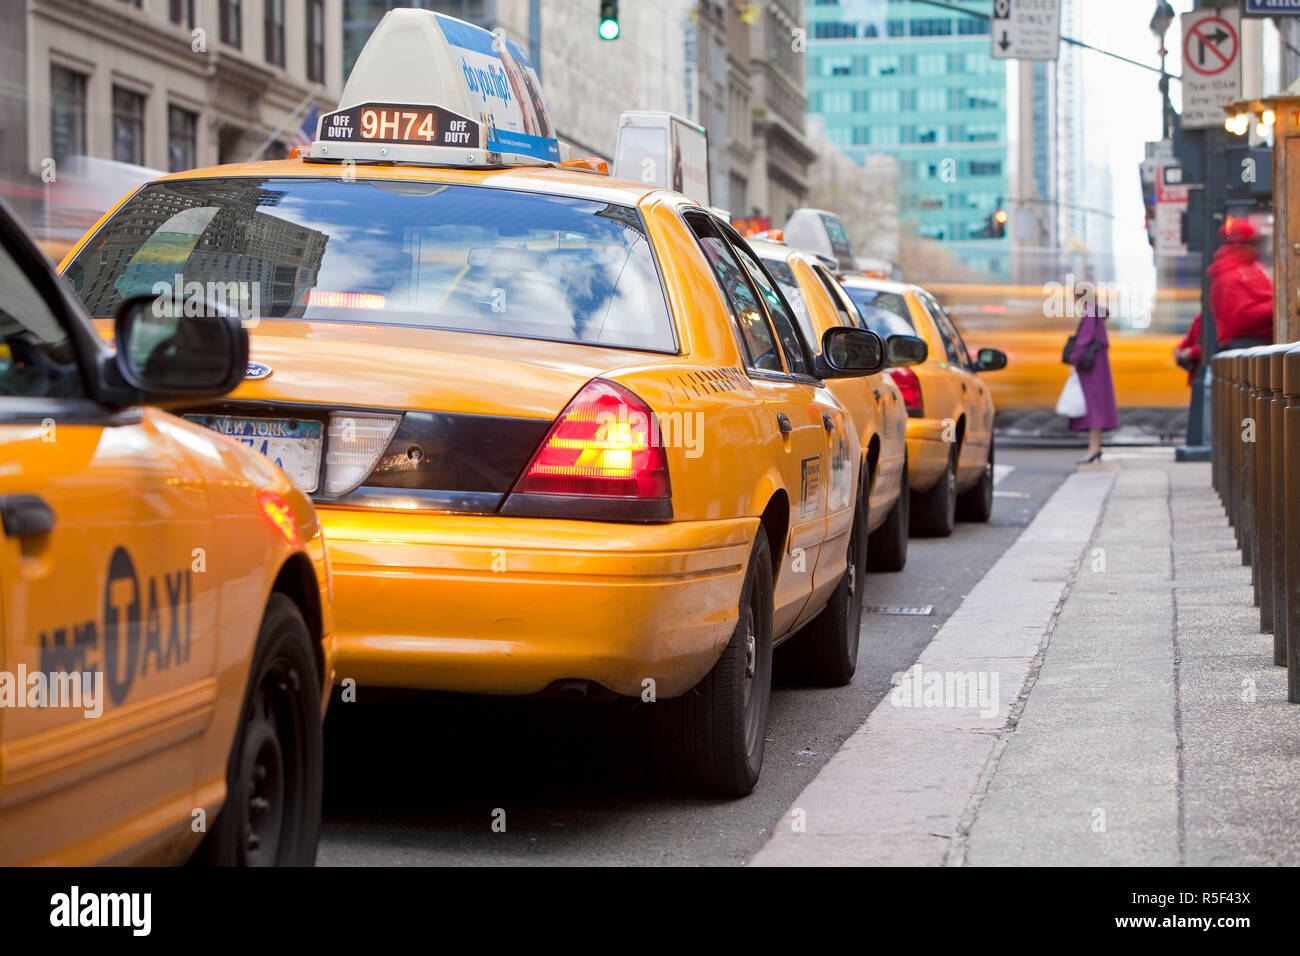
(430, 89)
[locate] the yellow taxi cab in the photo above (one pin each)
(165, 627)
(875, 402)
(950, 411)
(562, 431)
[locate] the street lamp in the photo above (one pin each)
(1161, 20)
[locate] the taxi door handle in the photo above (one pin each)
(877, 391)
(963, 386)
(24, 515)
(827, 422)
(783, 423)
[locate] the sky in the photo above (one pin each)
(1122, 112)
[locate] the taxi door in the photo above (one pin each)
(794, 411)
(101, 519)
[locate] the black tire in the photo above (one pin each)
(887, 546)
(825, 653)
(274, 779)
(711, 739)
(976, 503)
(934, 512)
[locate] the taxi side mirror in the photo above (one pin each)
(166, 354)
(905, 350)
(990, 360)
(848, 352)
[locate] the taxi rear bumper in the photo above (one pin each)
(496, 605)
(927, 452)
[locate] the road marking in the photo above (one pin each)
(1000, 472)
(902, 610)
(897, 790)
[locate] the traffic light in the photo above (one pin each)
(608, 28)
(998, 224)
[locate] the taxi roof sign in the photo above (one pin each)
(431, 89)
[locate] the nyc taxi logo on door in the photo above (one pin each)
(114, 644)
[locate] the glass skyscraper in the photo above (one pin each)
(917, 82)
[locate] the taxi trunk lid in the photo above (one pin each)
(467, 411)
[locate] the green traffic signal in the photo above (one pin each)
(608, 28)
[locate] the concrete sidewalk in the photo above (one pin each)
(1103, 696)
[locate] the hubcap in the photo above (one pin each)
(751, 654)
(270, 770)
(752, 708)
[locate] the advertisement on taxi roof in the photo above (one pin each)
(503, 90)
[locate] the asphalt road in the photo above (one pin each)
(418, 779)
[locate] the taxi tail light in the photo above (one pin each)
(354, 443)
(910, 387)
(605, 445)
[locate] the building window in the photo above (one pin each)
(273, 31)
(67, 113)
(182, 139)
(316, 40)
(128, 126)
(181, 11)
(230, 14)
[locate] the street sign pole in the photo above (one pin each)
(1211, 38)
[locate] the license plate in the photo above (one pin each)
(293, 444)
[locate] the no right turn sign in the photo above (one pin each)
(1211, 65)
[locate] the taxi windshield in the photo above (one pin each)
(422, 254)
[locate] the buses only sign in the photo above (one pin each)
(1211, 65)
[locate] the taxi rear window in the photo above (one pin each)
(885, 312)
(432, 255)
(784, 277)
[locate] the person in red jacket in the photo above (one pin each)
(1187, 353)
(1241, 293)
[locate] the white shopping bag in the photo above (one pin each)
(1072, 404)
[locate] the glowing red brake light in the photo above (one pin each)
(604, 444)
(910, 386)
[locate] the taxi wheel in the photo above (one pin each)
(274, 779)
(711, 739)
(826, 653)
(934, 512)
(887, 546)
(976, 504)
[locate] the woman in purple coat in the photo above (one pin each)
(1091, 359)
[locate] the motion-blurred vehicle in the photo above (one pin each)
(1012, 319)
(875, 402)
(950, 412)
(165, 641)
(564, 434)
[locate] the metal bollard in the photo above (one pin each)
(1232, 442)
(1291, 511)
(1246, 486)
(1277, 497)
(1257, 366)
(1218, 378)
(1266, 451)
(1226, 437)
(1262, 565)
(1212, 426)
